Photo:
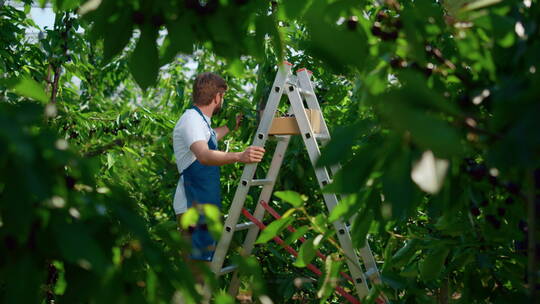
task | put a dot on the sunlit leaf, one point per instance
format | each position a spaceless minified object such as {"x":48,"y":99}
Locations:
{"x":294,"y":198}
{"x":299,"y":232}
{"x":189,"y":218}
{"x":213,"y":217}
{"x":273,"y":229}
{"x":305,"y":254}
{"x":27,"y":87}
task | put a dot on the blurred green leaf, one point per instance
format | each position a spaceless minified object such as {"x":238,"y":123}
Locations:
{"x":189,"y":218}
{"x":305,"y":254}
{"x":331,"y":279}
{"x":118,"y":35}
{"x":295,"y":8}
{"x":404,"y":254}
{"x":79,"y":247}
{"x":433,"y":263}
{"x":360,"y":229}
{"x":398,"y":187}
{"x":27,"y":87}
{"x":292,"y":197}
{"x":273,"y":229}
{"x":144,"y":63}
{"x":224,"y":298}
{"x":300,"y":232}
{"x":213,"y":216}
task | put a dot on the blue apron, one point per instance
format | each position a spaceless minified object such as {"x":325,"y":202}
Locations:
{"x":201,"y":184}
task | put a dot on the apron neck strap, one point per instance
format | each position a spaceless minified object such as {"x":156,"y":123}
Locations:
{"x":202,"y":115}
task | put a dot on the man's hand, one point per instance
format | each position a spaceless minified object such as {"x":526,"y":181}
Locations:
{"x":239,"y":118}
{"x":252,"y":154}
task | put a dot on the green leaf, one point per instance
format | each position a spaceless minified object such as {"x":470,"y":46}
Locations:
{"x":346,"y":49}
{"x":111,"y":160}
{"x":343,"y":208}
{"x":294,"y":8}
{"x":331,"y":271}
{"x":297,"y":234}
{"x":473,"y":5}
{"x":224,"y":298}
{"x":360,"y":229}
{"x":353,"y":175}
{"x":250,"y":266}
{"x":144,"y":63}
{"x":273,"y":229}
{"x":189,"y":218}
{"x":78,"y":246}
{"x":305,"y":254}
{"x":393,"y":280}
{"x":294,"y":198}
{"x":236,"y":68}
{"x":213,"y":217}
{"x":432,"y":265}
{"x":410,"y":271}
{"x":427,"y":130}
{"x":398,"y":187}
{"x":180,"y":38}
{"x":339,"y":146}
{"x":117,"y":36}
{"x":27,"y":87}
{"x":405,"y":253}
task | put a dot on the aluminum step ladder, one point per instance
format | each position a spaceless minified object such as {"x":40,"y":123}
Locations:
{"x":298,"y":88}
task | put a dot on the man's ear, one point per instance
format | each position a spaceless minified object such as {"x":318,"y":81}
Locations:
{"x":216,"y":98}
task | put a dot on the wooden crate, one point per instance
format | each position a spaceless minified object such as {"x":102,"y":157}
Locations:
{"x":289,"y":126}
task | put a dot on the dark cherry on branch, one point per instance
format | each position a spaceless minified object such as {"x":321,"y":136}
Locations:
{"x":512,"y":187}
{"x":157,"y":20}
{"x":70,"y":181}
{"x":381,"y":15}
{"x":138,"y":17}
{"x":493,"y":221}
{"x":352,"y":23}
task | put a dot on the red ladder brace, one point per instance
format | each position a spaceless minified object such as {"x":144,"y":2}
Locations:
{"x":276,"y":215}
{"x":302,"y":239}
{"x":289,"y":249}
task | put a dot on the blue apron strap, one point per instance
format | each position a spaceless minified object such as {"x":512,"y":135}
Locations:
{"x":210,"y":128}
{"x":204,"y":118}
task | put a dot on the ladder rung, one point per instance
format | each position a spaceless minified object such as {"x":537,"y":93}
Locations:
{"x":370,"y":272}
{"x":322,"y":136}
{"x":306,"y":93}
{"x":227,"y":269}
{"x":261,"y":182}
{"x":281,"y":137}
{"x":243,"y":226}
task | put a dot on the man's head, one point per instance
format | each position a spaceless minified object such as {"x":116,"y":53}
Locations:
{"x":208,"y":89}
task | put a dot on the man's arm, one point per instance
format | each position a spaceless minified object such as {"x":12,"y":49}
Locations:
{"x":221,"y":131}
{"x":209,"y":157}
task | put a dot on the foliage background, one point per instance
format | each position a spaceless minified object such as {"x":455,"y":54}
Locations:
{"x":87,"y":170}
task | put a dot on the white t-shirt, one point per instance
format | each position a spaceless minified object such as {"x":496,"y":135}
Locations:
{"x":190,"y":128}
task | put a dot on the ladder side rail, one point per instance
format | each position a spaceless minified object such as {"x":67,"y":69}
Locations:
{"x":266,"y":192}
{"x":249,"y":170}
{"x":330,"y":199}
{"x":371,"y":266}
{"x":304,"y":81}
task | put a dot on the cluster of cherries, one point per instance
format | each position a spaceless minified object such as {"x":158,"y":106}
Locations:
{"x":391,"y":26}
{"x":479,"y":172}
